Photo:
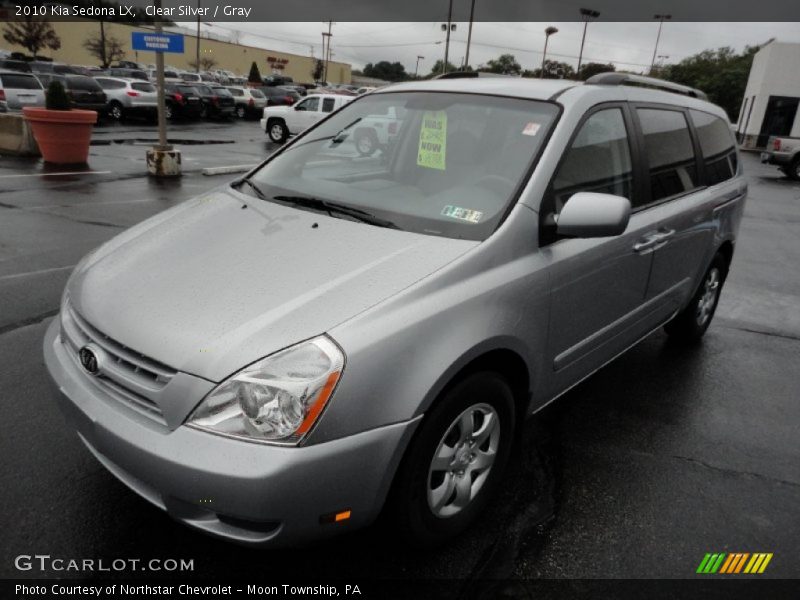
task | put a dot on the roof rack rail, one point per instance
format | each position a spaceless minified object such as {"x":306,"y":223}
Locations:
{"x":652,"y":82}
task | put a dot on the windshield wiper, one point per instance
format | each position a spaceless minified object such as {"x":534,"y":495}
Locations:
{"x":335,"y":207}
{"x":340,"y":137}
{"x":253,"y":187}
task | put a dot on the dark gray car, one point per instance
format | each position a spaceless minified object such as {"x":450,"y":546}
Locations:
{"x":335,"y":335}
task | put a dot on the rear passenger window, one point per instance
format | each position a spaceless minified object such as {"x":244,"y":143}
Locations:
{"x":327,"y":104}
{"x":669,"y":152}
{"x":717,"y":146}
{"x":599,"y":160}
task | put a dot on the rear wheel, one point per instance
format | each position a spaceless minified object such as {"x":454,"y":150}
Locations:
{"x":276,"y":130}
{"x":116,"y":111}
{"x":241,"y":111}
{"x":455,"y":462}
{"x":693,"y":321}
{"x":168,"y":113}
{"x":793,"y":170}
{"x":366,"y":142}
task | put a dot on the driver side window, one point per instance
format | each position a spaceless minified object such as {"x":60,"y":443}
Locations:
{"x":598,"y":160}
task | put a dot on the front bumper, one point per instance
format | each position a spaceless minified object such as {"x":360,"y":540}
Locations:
{"x":245,"y":492}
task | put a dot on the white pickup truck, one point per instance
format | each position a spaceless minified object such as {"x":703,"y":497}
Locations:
{"x":784,"y":152}
{"x":279,"y":122}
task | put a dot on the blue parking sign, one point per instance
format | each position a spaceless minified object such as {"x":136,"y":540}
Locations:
{"x":157,"y":42}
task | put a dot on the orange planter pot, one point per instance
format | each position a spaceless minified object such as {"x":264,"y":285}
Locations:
{"x":63,"y":135}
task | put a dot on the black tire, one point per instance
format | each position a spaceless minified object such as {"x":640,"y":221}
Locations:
{"x":691,"y":323}
{"x":366,"y":141}
{"x":116,"y":111}
{"x":241,"y":111}
{"x":409,"y":509}
{"x":168,"y":112}
{"x":203,"y":112}
{"x":793,"y":170}
{"x":276,"y":131}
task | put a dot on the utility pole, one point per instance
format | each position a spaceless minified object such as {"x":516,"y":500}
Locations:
{"x":658,"y":37}
{"x":547,"y":33}
{"x":327,"y":55}
{"x":197,"y":49}
{"x":469,"y":33}
{"x":416,"y":69}
{"x":447,"y":42}
{"x":586,"y":13}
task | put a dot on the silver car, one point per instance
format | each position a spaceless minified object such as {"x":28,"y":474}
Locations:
{"x":18,"y":90}
{"x":129,"y":97}
{"x":333,"y":336}
{"x":250,"y":102}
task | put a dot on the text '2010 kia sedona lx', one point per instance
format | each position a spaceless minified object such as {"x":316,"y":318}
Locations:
{"x":336,"y":335}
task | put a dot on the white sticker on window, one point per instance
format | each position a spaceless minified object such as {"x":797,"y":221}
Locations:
{"x":462,"y":214}
{"x":531,"y":128}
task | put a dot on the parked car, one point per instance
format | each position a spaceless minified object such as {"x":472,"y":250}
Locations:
{"x":191,"y":77}
{"x":129,"y":98}
{"x":369,"y":337}
{"x":278,"y":96}
{"x":18,"y":89}
{"x":126,"y":64}
{"x":784,"y":151}
{"x":249,"y":102}
{"x":217,"y":101}
{"x":169,"y":75}
{"x":128,"y":73}
{"x":279,"y":122}
{"x":182,"y":101}
{"x":84,"y":92}
{"x":9,"y":64}
{"x":273,"y":80}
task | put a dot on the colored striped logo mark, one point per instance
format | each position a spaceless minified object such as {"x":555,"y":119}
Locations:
{"x":734,"y":563}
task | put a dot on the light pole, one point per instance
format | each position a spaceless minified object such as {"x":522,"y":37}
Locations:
{"x":469,"y":33}
{"x":416,"y":69}
{"x":661,"y":19}
{"x":586,"y":13}
{"x":197,"y":50}
{"x":449,"y":27}
{"x":326,"y":53}
{"x":547,"y":33}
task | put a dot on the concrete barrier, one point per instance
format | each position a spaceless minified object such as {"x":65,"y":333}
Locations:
{"x":16,"y":136}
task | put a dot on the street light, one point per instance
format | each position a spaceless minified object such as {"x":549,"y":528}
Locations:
{"x":449,"y":27}
{"x":416,"y":69}
{"x":661,"y":19}
{"x":547,"y":33}
{"x":586,"y":13}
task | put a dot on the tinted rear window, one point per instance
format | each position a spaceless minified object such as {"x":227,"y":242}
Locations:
{"x":20,"y":82}
{"x":717,"y":146}
{"x":143,"y":87}
{"x":15,"y":65}
{"x":85,"y":84}
{"x":256,"y":93}
{"x":669,"y":152}
{"x":110,"y":84}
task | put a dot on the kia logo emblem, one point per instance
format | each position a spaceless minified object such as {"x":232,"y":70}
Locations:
{"x":89,"y":360}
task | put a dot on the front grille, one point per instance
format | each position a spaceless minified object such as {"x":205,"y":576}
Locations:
{"x":127,"y":376}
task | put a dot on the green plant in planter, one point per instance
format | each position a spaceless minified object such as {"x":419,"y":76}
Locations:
{"x":56,"y":97}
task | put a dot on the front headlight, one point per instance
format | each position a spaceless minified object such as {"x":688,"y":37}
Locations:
{"x":277,"y":399}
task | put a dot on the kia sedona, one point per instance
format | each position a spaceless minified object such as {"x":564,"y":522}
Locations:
{"x":336,"y":336}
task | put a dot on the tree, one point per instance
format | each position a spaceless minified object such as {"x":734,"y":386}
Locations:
{"x":255,"y":74}
{"x":720,"y":73}
{"x":387,"y":71}
{"x":105,"y":48}
{"x":206,"y":63}
{"x":318,"y":70}
{"x":552,"y":70}
{"x":437,"y":68}
{"x":505,"y":64}
{"x":592,"y":68}
{"x":32,"y":35}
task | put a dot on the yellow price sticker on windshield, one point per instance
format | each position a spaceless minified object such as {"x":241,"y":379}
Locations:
{"x":433,"y":140}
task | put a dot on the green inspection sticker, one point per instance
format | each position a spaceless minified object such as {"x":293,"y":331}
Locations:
{"x":462,"y":214}
{"x":433,"y":140}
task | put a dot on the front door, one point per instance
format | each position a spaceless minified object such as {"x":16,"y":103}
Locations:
{"x":598,"y":285}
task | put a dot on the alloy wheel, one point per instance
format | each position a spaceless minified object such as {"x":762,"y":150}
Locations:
{"x":708,"y":297}
{"x":463,"y":459}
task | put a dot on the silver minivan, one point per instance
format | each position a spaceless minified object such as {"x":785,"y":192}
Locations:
{"x":334,"y":335}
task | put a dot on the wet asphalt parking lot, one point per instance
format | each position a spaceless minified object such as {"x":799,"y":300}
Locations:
{"x":660,"y":457}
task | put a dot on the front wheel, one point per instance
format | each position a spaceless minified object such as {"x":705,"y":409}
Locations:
{"x":115,"y":111}
{"x":455,"y":462}
{"x":692,"y":322}
{"x":276,"y":130}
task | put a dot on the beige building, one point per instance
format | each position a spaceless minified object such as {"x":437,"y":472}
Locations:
{"x":228,"y":55}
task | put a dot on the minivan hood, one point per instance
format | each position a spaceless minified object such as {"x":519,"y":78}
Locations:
{"x":223,"y":280}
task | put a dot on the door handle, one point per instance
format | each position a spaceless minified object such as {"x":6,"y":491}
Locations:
{"x":653,"y":240}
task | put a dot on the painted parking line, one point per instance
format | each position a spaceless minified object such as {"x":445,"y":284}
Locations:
{"x":39,"y":272}
{"x":57,"y":174}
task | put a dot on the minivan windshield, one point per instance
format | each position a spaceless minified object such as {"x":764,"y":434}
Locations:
{"x":437,"y":163}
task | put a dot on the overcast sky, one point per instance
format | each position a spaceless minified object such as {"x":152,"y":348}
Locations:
{"x":628,"y":45}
